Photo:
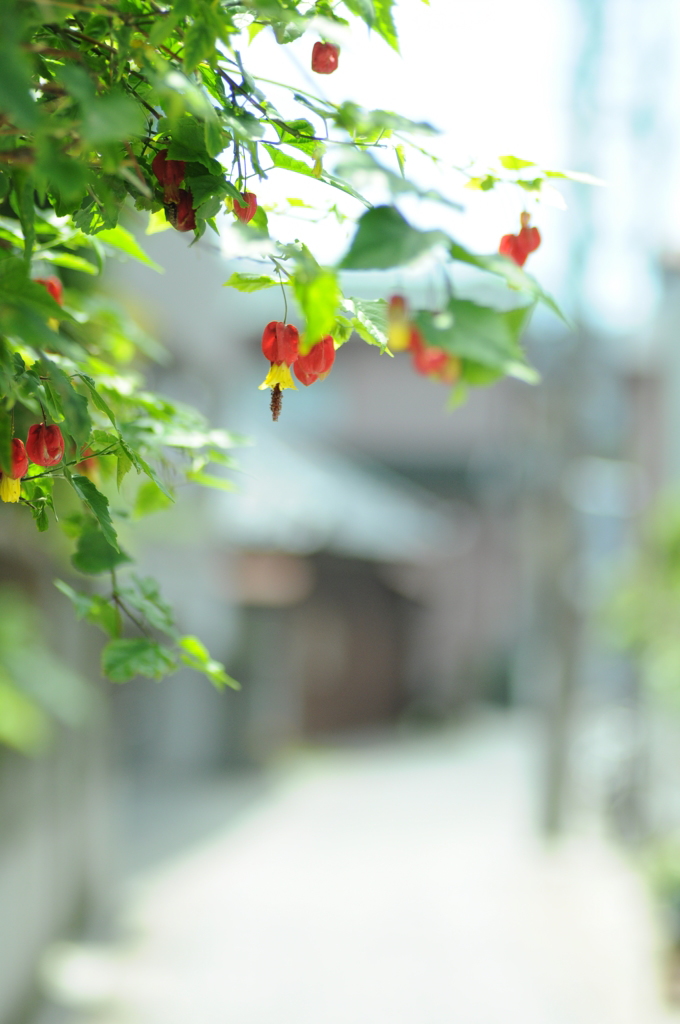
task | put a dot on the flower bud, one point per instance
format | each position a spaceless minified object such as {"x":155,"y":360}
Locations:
{"x":280,"y":342}
{"x":246,"y":212}
{"x":325,"y":58}
{"x":518,"y":247}
{"x":54,"y":287}
{"x":45,"y":445}
{"x":316,"y":365}
{"x":186,"y":216}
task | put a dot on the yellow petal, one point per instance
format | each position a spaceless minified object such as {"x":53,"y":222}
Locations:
{"x":399,"y":336}
{"x":10,"y":490}
{"x":279,"y":374}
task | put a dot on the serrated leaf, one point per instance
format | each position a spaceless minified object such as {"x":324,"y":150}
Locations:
{"x":94,"y":554}
{"x":98,"y":504}
{"x":196,"y":656}
{"x":122,"y":660}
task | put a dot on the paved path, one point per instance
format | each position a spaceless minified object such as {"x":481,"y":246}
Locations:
{"x":400,"y":883}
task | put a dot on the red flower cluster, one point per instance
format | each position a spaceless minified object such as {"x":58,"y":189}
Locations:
{"x":44,"y":446}
{"x":325,"y":58}
{"x":429,"y":360}
{"x":280,"y":345}
{"x":247,"y":211}
{"x":178,"y":202}
{"x":518,"y":247}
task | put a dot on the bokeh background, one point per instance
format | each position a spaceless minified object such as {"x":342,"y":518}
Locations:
{"x":448,"y":789}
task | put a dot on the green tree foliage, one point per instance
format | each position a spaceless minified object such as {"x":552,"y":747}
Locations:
{"x":90,"y":93}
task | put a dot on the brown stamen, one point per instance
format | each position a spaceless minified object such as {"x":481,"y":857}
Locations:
{"x":276,"y":402}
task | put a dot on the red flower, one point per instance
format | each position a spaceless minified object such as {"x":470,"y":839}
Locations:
{"x":325,"y":58}
{"x":246,"y":212}
{"x":280,"y":342}
{"x":19,"y":459}
{"x":316,"y":365}
{"x":45,"y":445}
{"x":185,"y":216}
{"x":54,"y":287}
{"x":518,"y":247}
{"x":10,"y":483}
{"x":432,"y":361}
{"x":168,"y":172}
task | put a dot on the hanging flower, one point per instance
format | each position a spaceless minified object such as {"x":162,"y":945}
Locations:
{"x":398,"y":324}
{"x":181,"y":213}
{"x":246,"y":212}
{"x":45,"y":445}
{"x":10,"y":483}
{"x":431,"y":361}
{"x":325,"y":58}
{"x":54,"y":287}
{"x":280,"y":346}
{"x":316,"y":365}
{"x":518,"y":247}
{"x":170,"y":173}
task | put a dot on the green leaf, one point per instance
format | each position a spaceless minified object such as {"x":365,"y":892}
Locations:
{"x":23,"y":724}
{"x":196,"y":656}
{"x":369,"y":319}
{"x":98,"y":504}
{"x":93,"y":608}
{"x":97,"y":399}
{"x":6,"y":434}
{"x":363,"y":9}
{"x":384,"y":22}
{"x":218,"y":483}
{"x":70,"y":261}
{"x":250,"y":282}
{"x":150,"y":498}
{"x":514,"y":163}
{"x":26,"y":208}
{"x":94,"y":554}
{"x":199,"y":43}
{"x":513,"y":275}
{"x":113,"y":117}
{"x":478,"y":333}
{"x":385,"y":239}
{"x":318,"y":295}
{"x":122,"y":660}
{"x":121,"y":239}
{"x":145,"y":598}
{"x":288,"y":163}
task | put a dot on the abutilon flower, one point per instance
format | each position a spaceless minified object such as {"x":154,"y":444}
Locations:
{"x":246,"y":212}
{"x":431,"y":361}
{"x":170,"y":173}
{"x":45,"y":445}
{"x":398,"y":324}
{"x":181,"y":214}
{"x":316,"y":365}
{"x":325,"y":58}
{"x":10,"y":483}
{"x":518,"y":247}
{"x":280,"y":346}
{"x":54,"y":287}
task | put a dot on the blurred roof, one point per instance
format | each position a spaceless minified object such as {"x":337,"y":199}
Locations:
{"x":298,"y":499}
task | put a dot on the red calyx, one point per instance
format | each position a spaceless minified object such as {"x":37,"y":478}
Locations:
{"x":45,"y":445}
{"x":19,"y":459}
{"x":54,"y":287}
{"x":280,"y":342}
{"x":168,"y":172}
{"x":518,"y":247}
{"x":186,"y":216}
{"x":325,"y":58}
{"x":246,"y":212}
{"x":316,"y":365}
